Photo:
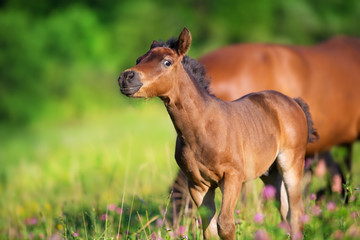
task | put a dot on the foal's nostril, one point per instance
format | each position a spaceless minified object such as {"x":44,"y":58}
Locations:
{"x":125,"y":78}
{"x":130,"y":75}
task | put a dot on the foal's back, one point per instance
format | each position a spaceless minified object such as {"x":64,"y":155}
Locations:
{"x":271,"y":123}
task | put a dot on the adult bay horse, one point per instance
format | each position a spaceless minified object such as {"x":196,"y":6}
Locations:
{"x":326,"y":76}
{"x":223,"y":144}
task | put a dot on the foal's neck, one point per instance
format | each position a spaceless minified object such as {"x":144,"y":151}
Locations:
{"x":186,"y":105}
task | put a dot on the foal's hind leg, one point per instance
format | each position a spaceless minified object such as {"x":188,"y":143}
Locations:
{"x":274,"y":178}
{"x":291,"y":165}
{"x":180,"y":198}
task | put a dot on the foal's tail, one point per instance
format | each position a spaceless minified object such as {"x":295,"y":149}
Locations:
{"x":312,"y":133}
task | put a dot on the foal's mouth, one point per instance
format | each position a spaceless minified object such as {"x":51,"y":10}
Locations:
{"x":130,"y":91}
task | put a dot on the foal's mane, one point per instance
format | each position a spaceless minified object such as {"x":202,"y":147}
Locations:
{"x":193,"y":67}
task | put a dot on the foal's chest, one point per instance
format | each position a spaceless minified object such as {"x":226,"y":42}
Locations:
{"x":200,"y":164}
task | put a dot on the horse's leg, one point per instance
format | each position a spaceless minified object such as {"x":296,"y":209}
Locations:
{"x":230,"y":187}
{"x":346,"y":167}
{"x":348,"y":159}
{"x":274,"y":178}
{"x":346,"y":173}
{"x":180,"y":198}
{"x":337,"y":176}
{"x":291,"y":165}
{"x":204,"y":199}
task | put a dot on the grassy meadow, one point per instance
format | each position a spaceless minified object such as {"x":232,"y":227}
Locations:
{"x":107,"y":176}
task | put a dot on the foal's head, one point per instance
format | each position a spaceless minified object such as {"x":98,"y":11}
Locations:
{"x":155,"y":72}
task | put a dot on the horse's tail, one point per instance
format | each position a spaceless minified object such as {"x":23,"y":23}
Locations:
{"x":312,"y":133}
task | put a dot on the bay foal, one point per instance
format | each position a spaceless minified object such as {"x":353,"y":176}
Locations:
{"x":222,"y":144}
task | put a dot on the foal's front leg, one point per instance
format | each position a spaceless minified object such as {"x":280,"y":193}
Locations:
{"x":204,"y":198}
{"x":230,"y":187}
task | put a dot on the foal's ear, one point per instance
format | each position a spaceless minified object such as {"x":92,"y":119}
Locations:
{"x":183,"y":42}
{"x":154,"y":44}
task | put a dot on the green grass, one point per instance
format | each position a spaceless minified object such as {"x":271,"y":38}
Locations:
{"x":110,"y":172}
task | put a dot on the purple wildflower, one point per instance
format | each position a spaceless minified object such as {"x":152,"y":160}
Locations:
{"x":305,"y":218}
{"x":127,"y":232}
{"x":237,"y":211}
{"x":75,"y":234}
{"x":112,"y":207}
{"x":238,"y":221}
{"x":159,"y":223}
{"x":258,"y":218}
{"x":119,"y":210}
{"x":181,"y":230}
{"x":261,"y":235}
{"x":331,"y":206}
{"x":200,"y":222}
{"x":31,"y":221}
{"x":353,"y":215}
{"x":316,"y":211}
{"x":338,"y":234}
{"x":104,"y":217}
{"x":313,"y":197}
{"x":285,"y":226}
{"x":153,"y":236}
{"x":269,"y":192}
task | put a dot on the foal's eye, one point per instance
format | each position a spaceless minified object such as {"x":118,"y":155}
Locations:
{"x":167,"y":63}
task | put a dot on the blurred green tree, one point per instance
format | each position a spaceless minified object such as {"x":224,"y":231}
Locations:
{"x":61,"y":58}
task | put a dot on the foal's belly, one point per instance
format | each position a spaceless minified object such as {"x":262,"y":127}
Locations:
{"x":208,"y":166}
{"x":259,"y":157}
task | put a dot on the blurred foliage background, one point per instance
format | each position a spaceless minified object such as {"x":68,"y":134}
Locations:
{"x":68,"y":138}
{"x":60,"y":59}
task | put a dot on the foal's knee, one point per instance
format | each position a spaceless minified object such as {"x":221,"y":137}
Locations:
{"x":226,"y":227}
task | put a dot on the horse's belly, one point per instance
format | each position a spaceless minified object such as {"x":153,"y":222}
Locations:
{"x":259,"y":158}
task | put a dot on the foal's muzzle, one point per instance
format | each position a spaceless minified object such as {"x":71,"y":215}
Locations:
{"x":129,"y":83}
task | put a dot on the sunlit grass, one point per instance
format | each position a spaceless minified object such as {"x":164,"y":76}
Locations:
{"x":108,"y":175}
